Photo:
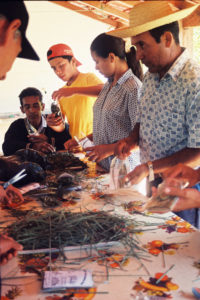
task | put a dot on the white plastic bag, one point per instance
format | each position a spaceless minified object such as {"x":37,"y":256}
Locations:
{"x":118,"y":170}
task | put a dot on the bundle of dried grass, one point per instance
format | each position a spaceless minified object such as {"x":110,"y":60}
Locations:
{"x":60,"y":229}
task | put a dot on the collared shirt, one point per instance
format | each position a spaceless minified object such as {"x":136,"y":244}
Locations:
{"x":78,"y":108}
{"x":31,"y":129}
{"x":115,"y":112}
{"x":43,"y":125}
{"x":17,"y":134}
{"x":170,"y":110}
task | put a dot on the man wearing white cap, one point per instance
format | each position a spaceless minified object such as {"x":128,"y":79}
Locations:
{"x":168,"y":129}
{"x":13,"y":42}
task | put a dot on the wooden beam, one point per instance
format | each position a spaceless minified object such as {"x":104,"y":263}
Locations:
{"x":95,"y":13}
{"x":109,"y":9}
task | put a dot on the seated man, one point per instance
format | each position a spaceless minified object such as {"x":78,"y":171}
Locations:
{"x":36,"y":131}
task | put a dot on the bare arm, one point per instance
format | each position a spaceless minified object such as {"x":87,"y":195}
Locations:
{"x":183,"y":172}
{"x":99,"y":152}
{"x":188,"y":156}
{"x":92,"y":91}
{"x":123,"y":147}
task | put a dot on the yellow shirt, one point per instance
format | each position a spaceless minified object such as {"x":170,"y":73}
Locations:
{"x":79,"y":108}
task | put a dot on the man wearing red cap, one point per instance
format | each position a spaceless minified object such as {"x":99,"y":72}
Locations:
{"x":77,"y":97}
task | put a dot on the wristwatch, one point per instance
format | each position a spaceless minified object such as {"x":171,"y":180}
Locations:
{"x":151,"y":172}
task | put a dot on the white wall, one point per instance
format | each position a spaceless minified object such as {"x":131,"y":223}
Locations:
{"x":49,"y":24}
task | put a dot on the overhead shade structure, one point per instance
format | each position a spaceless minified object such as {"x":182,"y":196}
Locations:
{"x":116,"y":13}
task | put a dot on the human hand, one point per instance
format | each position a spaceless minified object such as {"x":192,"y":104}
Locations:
{"x":43,"y":147}
{"x":183,"y":172}
{"x":186,"y":198}
{"x":63,"y":92}
{"x":123,"y":148}
{"x":37,"y":138}
{"x":138,"y":173}
{"x":56,"y":123}
{"x":8,"y":248}
{"x":71,"y":144}
{"x":11,"y":196}
{"x":99,"y":152}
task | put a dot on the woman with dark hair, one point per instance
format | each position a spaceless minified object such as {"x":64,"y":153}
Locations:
{"x":115,"y":110}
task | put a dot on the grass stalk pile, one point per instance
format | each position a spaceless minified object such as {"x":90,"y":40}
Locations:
{"x":60,"y":229}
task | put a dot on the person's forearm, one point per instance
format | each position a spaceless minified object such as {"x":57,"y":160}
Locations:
{"x":133,"y":138}
{"x":187,"y":156}
{"x":198,"y":172}
{"x":87,"y":90}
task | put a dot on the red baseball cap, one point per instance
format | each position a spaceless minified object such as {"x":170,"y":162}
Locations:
{"x":59,"y":50}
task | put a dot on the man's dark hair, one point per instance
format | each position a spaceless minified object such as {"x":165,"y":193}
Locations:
{"x":171,"y":27}
{"x":30,"y":91}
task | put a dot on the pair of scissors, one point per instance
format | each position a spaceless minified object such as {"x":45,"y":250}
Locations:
{"x":15,"y":178}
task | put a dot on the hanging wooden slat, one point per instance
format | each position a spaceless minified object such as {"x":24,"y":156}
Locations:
{"x":96,"y":13}
{"x":116,"y":13}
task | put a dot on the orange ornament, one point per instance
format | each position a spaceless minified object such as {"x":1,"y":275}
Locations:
{"x":182,"y":229}
{"x":82,"y":294}
{"x":158,"y":275}
{"x":157,"y":243}
{"x":154,"y":251}
{"x":172,"y":286}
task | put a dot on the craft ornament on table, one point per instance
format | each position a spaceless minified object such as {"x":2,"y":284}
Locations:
{"x":156,"y":247}
{"x":64,"y":160}
{"x":58,"y":189}
{"x":176,"y":224}
{"x":158,"y":286}
{"x":111,"y":259}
